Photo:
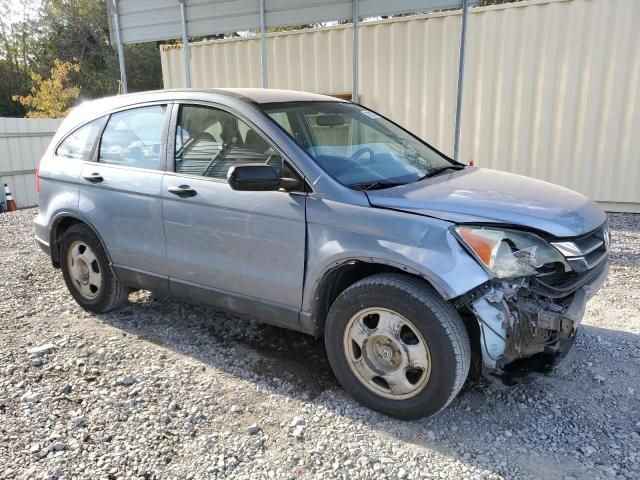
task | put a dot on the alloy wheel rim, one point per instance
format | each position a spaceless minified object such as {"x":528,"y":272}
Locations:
{"x":387,"y":353}
{"x":84,"y":270}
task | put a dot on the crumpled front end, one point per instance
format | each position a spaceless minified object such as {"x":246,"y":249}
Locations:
{"x":529,"y":324}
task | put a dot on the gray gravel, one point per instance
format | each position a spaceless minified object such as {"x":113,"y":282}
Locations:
{"x":166,"y":390}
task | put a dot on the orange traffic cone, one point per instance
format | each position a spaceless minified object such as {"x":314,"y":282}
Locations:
{"x":11,"y":203}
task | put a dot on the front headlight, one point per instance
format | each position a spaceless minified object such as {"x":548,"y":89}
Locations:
{"x":508,"y":253}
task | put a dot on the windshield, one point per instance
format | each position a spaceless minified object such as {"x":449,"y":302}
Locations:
{"x":356,"y":146}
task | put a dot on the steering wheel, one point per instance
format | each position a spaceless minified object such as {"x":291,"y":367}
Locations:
{"x":361,"y":152}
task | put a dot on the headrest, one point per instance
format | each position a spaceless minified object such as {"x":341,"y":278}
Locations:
{"x":230,"y":133}
{"x":255,"y":142}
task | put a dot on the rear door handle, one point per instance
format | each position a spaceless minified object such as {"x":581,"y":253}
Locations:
{"x":183,"y":191}
{"x":94,"y":178}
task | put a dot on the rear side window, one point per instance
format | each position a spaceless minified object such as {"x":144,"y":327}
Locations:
{"x":133,"y":138}
{"x":79,"y":144}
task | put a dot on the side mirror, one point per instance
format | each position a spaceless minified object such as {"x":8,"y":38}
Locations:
{"x":253,"y":177}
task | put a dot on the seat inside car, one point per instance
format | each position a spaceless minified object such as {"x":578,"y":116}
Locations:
{"x":254,"y":142}
{"x":231,"y":134}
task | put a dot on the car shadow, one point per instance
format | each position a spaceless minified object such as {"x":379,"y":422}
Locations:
{"x":267,"y":351}
{"x":478,"y":427}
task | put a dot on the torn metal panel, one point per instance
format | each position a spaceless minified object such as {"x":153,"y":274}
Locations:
{"x":517,"y":323}
{"x":493,"y":319}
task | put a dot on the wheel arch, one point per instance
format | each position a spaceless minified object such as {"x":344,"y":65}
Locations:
{"x":60,"y":224}
{"x":339,"y":276}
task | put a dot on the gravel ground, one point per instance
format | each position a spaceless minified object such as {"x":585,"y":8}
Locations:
{"x":166,"y":390}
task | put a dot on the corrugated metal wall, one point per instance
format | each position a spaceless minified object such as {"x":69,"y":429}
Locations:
{"x":157,"y":20}
{"x":22,"y":143}
{"x":552,"y":87}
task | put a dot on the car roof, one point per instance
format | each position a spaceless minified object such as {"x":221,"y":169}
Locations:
{"x":248,"y":95}
{"x":273,"y":95}
{"x":91,"y":109}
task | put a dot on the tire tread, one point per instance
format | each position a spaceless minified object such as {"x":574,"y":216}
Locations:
{"x":444,"y":312}
{"x":118,"y":293}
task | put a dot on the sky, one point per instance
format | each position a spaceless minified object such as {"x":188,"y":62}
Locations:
{"x":18,"y":8}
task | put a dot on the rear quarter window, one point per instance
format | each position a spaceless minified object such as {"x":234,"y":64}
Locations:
{"x":79,"y":144}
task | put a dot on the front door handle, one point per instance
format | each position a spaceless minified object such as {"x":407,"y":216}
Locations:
{"x":94,"y":178}
{"x":183,"y":191}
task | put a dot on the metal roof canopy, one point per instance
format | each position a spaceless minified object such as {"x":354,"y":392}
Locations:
{"x":136,"y":21}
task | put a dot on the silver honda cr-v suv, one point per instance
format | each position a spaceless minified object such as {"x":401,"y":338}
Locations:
{"x":320,"y":215}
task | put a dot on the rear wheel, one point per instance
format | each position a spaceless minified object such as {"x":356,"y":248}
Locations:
{"x":86,"y":271}
{"x":397,"y":346}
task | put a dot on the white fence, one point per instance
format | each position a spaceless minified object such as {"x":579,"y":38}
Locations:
{"x":552,"y":87}
{"x":22,"y":143}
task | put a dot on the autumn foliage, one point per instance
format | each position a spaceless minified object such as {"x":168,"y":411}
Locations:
{"x":52,"y":97}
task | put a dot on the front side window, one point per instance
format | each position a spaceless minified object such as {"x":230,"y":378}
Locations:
{"x":133,"y":137}
{"x":209,"y":141}
{"x":357,"y":147}
{"x":79,"y":144}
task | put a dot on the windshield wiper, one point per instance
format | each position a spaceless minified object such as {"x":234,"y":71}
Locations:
{"x":377,"y":185}
{"x":380,"y":184}
{"x":440,"y":170}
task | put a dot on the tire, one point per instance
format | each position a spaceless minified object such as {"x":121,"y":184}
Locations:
{"x":410,"y":316}
{"x":87,"y":272}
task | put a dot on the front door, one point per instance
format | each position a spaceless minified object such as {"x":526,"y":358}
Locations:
{"x":242,"y":251}
{"x":120,"y":194}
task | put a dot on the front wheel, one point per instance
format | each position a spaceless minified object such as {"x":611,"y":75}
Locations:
{"x":397,"y":346}
{"x":86,"y":271}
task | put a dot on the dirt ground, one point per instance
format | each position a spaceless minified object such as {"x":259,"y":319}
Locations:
{"x":162,"y":389}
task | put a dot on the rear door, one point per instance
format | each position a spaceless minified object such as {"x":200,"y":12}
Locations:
{"x":243,"y":251}
{"x":120,"y":193}
{"x":60,"y":172}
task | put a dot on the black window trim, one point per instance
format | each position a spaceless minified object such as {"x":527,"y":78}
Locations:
{"x":171,"y":146}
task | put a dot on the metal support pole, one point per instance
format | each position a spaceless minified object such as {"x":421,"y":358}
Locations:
{"x":185,"y":45}
{"x":264,"y":70}
{"x":463,"y":41}
{"x":116,"y":25}
{"x":356,"y":51}
{"x":3,"y":200}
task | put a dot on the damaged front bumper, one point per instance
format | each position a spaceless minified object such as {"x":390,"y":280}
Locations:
{"x":527,"y":326}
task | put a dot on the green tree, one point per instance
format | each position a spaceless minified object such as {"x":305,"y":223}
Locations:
{"x":18,"y":34}
{"x":81,"y":32}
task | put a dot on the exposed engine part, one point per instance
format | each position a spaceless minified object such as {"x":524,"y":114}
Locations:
{"x":492,"y":291}
{"x":537,"y":327}
{"x":516,"y":322}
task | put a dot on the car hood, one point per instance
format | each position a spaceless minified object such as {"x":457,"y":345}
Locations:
{"x":491,"y":196}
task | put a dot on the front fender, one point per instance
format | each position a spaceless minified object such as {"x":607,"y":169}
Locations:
{"x":340,"y":233}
